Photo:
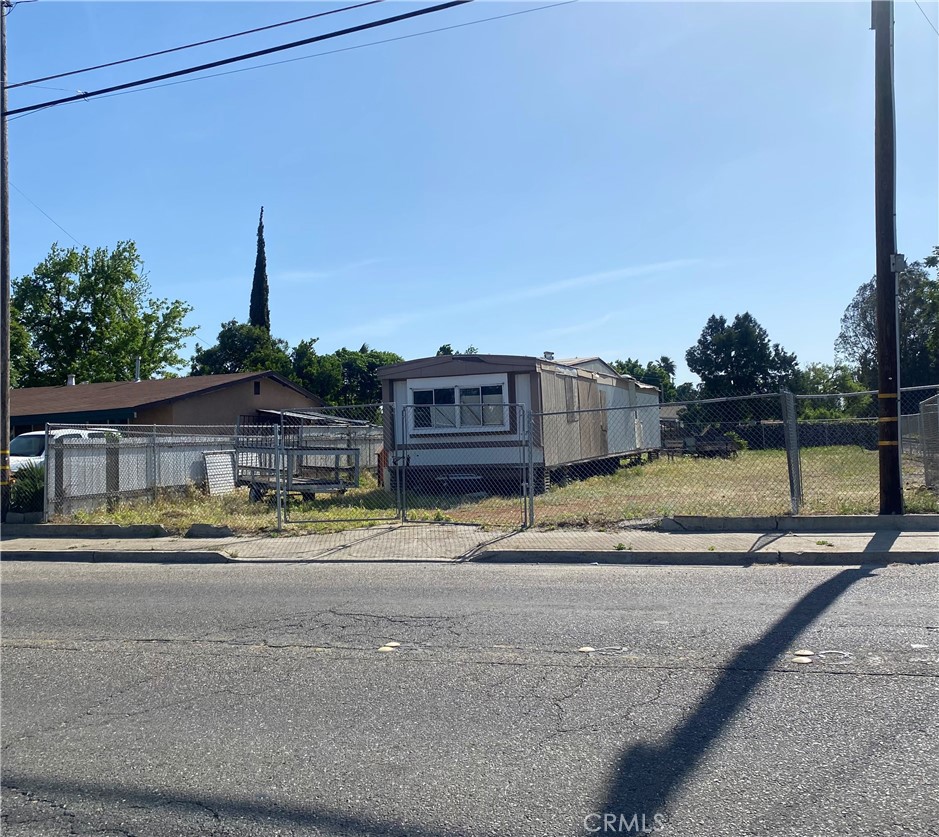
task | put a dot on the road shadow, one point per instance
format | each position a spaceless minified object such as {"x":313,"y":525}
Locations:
{"x":647,"y":778}
{"x":73,"y":796}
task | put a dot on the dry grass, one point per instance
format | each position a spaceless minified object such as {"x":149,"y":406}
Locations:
{"x":836,"y":480}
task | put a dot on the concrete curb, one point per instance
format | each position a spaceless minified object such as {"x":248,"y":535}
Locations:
{"x":830,"y":559}
{"x":828,"y":524}
{"x":112,"y":557}
{"x":83,"y":530}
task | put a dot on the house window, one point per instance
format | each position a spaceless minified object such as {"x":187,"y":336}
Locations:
{"x":257,"y":387}
{"x":460,"y":407}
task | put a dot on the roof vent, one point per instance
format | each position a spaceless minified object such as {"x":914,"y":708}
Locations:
{"x":549,"y":355}
{"x":70,"y":381}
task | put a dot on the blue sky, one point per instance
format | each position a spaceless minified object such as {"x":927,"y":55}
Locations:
{"x":591,"y":179}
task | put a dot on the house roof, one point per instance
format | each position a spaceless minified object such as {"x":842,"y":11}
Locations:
{"x":128,"y":395}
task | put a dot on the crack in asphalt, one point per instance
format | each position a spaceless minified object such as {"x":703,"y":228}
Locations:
{"x":422,"y":655}
{"x":61,"y":810}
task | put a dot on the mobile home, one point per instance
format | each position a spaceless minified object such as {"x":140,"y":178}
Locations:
{"x":468,"y":416}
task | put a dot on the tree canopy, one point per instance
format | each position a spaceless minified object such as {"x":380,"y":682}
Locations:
{"x":918,"y":314}
{"x":242,"y":347}
{"x":447,"y":349}
{"x":738,"y":359}
{"x":660,"y":373}
{"x":90,"y":313}
{"x":343,"y":377}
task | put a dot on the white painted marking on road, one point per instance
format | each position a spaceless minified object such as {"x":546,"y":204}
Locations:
{"x":392,"y":645}
{"x":805,"y":652}
{"x":586,"y":649}
{"x":801,"y":659}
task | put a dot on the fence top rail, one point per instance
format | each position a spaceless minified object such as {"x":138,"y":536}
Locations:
{"x":618,"y":408}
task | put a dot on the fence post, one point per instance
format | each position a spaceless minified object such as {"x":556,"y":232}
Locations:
{"x":791,"y":436}
{"x":152,"y":470}
{"x":46,"y":482}
{"x":401,"y":467}
{"x":278,"y":493}
{"x":112,"y":471}
{"x":531,"y":469}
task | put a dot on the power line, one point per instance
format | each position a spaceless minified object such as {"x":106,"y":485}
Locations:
{"x":926,"y":16}
{"x":341,"y":49}
{"x":243,"y":57}
{"x":79,"y":243}
{"x":190,"y":46}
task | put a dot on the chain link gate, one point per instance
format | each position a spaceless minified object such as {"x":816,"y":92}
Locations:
{"x":332,"y":466}
{"x":464,"y":463}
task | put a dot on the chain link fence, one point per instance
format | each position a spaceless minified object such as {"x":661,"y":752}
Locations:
{"x":170,"y":474}
{"x":495,"y":465}
{"x":466,"y":463}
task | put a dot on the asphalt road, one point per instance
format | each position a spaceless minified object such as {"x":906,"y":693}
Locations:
{"x":178,"y":700}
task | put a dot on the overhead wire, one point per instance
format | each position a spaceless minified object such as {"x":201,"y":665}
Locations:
{"x":37,"y":81}
{"x":237,"y":58}
{"x":339,"y":50}
{"x":40,"y":209}
{"x":926,"y":16}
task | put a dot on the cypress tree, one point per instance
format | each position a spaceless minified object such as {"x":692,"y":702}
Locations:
{"x":260,"y":312}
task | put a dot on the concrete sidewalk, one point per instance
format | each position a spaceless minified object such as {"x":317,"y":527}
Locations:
{"x":447,"y":543}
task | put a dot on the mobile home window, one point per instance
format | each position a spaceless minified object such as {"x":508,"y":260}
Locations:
{"x":479,"y":406}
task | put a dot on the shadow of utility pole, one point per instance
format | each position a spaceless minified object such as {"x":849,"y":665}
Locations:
{"x":647,"y":778}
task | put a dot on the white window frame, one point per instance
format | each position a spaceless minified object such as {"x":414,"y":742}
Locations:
{"x":458,"y":383}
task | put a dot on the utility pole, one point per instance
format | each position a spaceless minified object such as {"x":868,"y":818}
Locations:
{"x":889,"y":262}
{"x":5,"y":6}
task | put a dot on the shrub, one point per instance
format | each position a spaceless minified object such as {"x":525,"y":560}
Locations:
{"x":738,"y":440}
{"x":26,"y":494}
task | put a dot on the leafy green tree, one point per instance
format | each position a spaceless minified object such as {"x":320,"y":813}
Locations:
{"x":360,"y":384}
{"x":447,"y":349}
{"x":321,"y":374}
{"x":243,"y":347}
{"x":343,"y":377}
{"x":659,"y":373}
{"x":22,"y":355}
{"x":259,"y":313}
{"x":918,"y":307}
{"x":838,"y":381}
{"x":91,"y":314}
{"x":738,"y":359}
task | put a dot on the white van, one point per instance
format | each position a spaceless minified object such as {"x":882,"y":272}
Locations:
{"x":30,"y":448}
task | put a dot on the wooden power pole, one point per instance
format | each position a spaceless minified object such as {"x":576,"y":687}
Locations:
{"x":889,"y":263}
{"x":5,"y":7}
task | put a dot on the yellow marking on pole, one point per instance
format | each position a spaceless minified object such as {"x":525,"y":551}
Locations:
{"x":888,"y":444}
{"x":888,"y":418}
{"x":887,"y":395}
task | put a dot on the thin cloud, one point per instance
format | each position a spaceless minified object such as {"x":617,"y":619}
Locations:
{"x":388,"y":324}
{"x":329,"y":273}
{"x":588,"y":325}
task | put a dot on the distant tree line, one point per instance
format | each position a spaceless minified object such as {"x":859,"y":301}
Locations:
{"x":91,"y":313}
